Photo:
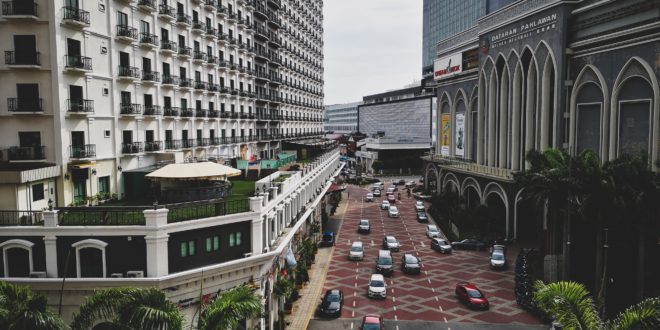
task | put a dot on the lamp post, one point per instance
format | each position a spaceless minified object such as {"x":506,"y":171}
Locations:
{"x":50,"y":204}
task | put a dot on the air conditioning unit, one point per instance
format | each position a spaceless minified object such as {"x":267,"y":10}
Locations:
{"x":134,"y":273}
{"x":116,"y":275}
{"x":38,"y":275}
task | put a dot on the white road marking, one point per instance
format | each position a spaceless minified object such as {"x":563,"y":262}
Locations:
{"x":441,"y":308}
{"x":353,"y":303}
{"x":433,"y":289}
{"x":436,"y":298}
{"x":351,"y":325}
{"x":353,"y":314}
{"x":396,"y":318}
{"x":394,"y":300}
{"x":445,"y":319}
{"x":397,"y":327}
{"x":356,"y":284}
{"x":429,"y":281}
{"x":422,"y":244}
{"x":354,"y":293}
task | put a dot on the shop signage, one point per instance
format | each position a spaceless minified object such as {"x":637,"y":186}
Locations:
{"x":445,"y":132}
{"x":460,"y":135}
{"x":523,"y":30}
{"x":448,"y":66}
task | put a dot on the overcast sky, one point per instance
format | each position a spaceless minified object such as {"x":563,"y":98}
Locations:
{"x":370,"y":46}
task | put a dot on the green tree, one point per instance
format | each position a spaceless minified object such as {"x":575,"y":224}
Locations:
{"x":129,"y":308}
{"x":21,"y":309}
{"x":227,"y":310}
{"x":572,"y":305}
{"x":377,"y":165}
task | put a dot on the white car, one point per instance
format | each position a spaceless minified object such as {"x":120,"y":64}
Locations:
{"x":357,"y":251}
{"x":370,"y":197}
{"x":385,"y":205}
{"x":377,"y":286}
{"x":441,"y":245}
{"x":498,"y":260}
{"x":419,"y":206}
{"x":391,"y":190}
{"x":393,"y":212}
{"x":410,"y":184}
{"x":432,"y":231}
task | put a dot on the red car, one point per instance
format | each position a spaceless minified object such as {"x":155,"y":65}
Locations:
{"x":391,"y":199}
{"x":470,"y":295}
{"x":372,"y":322}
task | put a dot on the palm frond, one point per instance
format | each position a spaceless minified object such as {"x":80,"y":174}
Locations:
{"x":569,"y":303}
{"x":642,"y":316}
{"x":102,"y":305}
{"x":228,"y":309}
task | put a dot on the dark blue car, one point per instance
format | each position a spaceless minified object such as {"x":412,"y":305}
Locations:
{"x":328,"y":239}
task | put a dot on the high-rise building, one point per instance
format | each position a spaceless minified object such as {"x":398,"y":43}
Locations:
{"x":98,"y":89}
{"x":341,"y":118}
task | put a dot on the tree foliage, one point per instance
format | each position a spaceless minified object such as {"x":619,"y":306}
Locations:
{"x":227,"y":310}
{"x":21,"y":309}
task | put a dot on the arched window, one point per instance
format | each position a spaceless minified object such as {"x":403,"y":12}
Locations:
{"x":90,"y":258}
{"x":17,"y":253}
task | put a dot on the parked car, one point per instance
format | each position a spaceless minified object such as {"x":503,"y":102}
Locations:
{"x":328,"y":239}
{"x":332,"y":303}
{"x":393,"y":212}
{"x":498,"y":249}
{"x":401,"y":182}
{"x":469,"y":244}
{"x":498,"y":260}
{"x":410,"y":264}
{"x":391,"y":199}
{"x":441,"y":245}
{"x":377,"y":193}
{"x":370,"y":197}
{"x":471,"y":296}
{"x":385,"y":205}
{"x":384,"y":264}
{"x":377,"y":287}
{"x":364,"y":226}
{"x":419,"y":206}
{"x":421,"y":217}
{"x":357,"y":251}
{"x":432,"y":231}
{"x":390,"y":243}
{"x":372,"y":322}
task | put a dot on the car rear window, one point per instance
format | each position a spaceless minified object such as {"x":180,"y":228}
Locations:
{"x":356,"y":248}
{"x":384,"y":261}
{"x":474,"y":294}
{"x":377,"y":283}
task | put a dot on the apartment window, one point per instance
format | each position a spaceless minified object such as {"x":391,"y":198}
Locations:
{"x":212,"y":243}
{"x":104,"y":185}
{"x":164,"y":35}
{"x":144,"y":27}
{"x":235,"y":239}
{"x":122,"y":19}
{"x":188,"y":249}
{"x":37,"y":192}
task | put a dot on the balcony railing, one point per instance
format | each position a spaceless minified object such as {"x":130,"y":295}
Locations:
{"x":214,"y":114}
{"x":212,"y":87}
{"x":168,"y":45}
{"x":78,"y":62}
{"x":148,"y":4}
{"x":201,"y":113}
{"x":183,"y":19}
{"x":80,"y":106}
{"x":130,"y":109}
{"x":206,"y":209}
{"x":197,"y":25}
{"x":170,"y":80}
{"x":132,"y":148}
{"x":125,"y":31}
{"x":171,"y":112}
{"x":152,"y":76}
{"x":26,"y":153}
{"x":13,"y":58}
{"x":148,"y":39}
{"x":185,"y":82}
{"x":185,"y":51}
{"x":467,"y":165}
{"x":188,"y":143}
{"x":75,"y":15}
{"x":19,"y":8}
{"x":200,"y":85}
{"x":82,"y":151}
{"x":166,"y":11}
{"x":21,"y":218}
{"x":200,"y":56}
{"x":129,"y":72}
{"x":25,"y":104}
{"x":152,"y":110}
{"x":153,"y":146}
{"x":187,"y":112}
{"x":172,"y":144}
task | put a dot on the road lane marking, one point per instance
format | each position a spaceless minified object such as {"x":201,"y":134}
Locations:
{"x":445,"y":319}
{"x":422,"y":244}
{"x":441,"y":308}
{"x":353,"y":314}
{"x":432,"y":289}
{"x":396,"y":318}
{"x":353,"y":303}
{"x":351,"y":325}
{"x":429,"y":280}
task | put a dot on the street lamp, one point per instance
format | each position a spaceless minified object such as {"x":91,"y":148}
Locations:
{"x":50,"y":204}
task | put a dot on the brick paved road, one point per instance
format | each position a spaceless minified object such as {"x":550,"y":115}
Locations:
{"x":425,"y":297}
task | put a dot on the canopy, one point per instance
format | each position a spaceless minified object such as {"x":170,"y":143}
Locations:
{"x":193,"y":171}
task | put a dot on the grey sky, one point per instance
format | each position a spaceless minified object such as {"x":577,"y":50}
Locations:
{"x":370,"y":46}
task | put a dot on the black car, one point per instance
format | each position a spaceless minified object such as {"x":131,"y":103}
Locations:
{"x":328,"y":239}
{"x":332,"y":303}
{"x":421,"y":217}
{"x":410,"y":264}
{"x":364,"y":227}
{"x":469,"y":244}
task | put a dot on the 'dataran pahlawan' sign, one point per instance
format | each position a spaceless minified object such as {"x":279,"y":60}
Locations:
{"x":522,"y":31}
{"x":448,"y":66}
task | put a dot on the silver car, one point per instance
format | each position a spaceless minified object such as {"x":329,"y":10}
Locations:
{"x":390,"y":243}
{"x":357,"y":251}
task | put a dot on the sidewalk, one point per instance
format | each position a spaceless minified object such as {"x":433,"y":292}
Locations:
{"x":304,"y":308}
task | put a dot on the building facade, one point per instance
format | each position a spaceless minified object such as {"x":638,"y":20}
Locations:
{"x":95,"y":89}
{"x":341,"y":118}
{"x":572,"y":75}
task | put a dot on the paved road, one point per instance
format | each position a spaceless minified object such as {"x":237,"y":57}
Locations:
{"x":345,"y":324}
{"x":425,"y":297}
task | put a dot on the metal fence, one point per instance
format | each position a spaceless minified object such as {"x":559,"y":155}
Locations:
{"x":102,"y":216}
{"x":205,"y":209}
{"x":21,"y":218}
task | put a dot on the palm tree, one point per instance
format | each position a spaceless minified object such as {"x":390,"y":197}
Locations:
{"x":572,"y":305}
{"x":227,"y":310}
{"x":129,"y":308}
{"x":20,"y":309}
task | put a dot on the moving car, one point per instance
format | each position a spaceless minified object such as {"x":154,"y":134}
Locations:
{"x":377,"y":186}
{"x":393,"y":212}
{"x":377,"y":287}
{"x":385,"y":205}
{"x":372,"y":322}
{"x":328,"y":239}
{"x":332,"y":303}
{"x":384,"y":263}
{"x":357,"y":251}
{"x":469,"y":244}
{"x":411,"y":184}
{"x":390,"y":243}
{"x":391,"y":190}
{"x":441,"y":245}
{"x":471,"y":296}
{"x":370,"y":197}
{"x":422,"y":217}
{"x":419,"y":206}
{"x":391,"y":199}
{"x":364,"y":226}
{"x":432,"y":231}
{"x":377,"y":193}
{"x":410,"y":264}
{"x":401,"y":182}
{"x":498,"y":260}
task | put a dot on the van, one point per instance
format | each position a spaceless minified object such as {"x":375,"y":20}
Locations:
{"x":356,"y":252}
{"x":384,"y":263}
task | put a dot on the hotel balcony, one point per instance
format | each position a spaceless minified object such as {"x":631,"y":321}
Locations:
{"x":153,"y":146}
{"x":468,"y":166}
{"x":130,"y":109}
{"x":128,"y":73}
{"x":183,"y":19}
{"x":25,"y":105}
{"x":77,"y":63}
{"x":150,"y":76}
{"x":152,"y":110}
{"x":127,"y":33}
{"x":170,"y":80}
{"x":147,"y":5}
{"x":75,"y":16}
{"x":187,"y":112}
{"x":20,"y":9}
{"x":172,"y":144}
{"x":80,"y":106}
{"x":166,"y":12}
{"x":148,"y":39}
{"x":167,"y":46}
{"x":35,"y":153}
{"x":132,"y":148}
{"x":82,"y":151}
{"x":171,"y":112}
{"x":23,"y":59}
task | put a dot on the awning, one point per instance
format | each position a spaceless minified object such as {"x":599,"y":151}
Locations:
{"x":81,"y":166}
{"x":335,"y":188}
{"x":194,"y":171}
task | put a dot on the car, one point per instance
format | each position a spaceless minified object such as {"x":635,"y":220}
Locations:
{"x":357,"y":251}
{"x":384,"y":263}
{"x":441,"y":245}
{"x":370,"y":197}
{"x":469,"y":244}
{"x":498,"y":260}
{"x":498,"y":248}
{"x":410,"y":184}
{"x":390,"y":243}
{"x":471,"y":296}
{"x":328,"y":239}
{"x":385,"y":205}
{"x":432,"y":231}
{"x":391,"y":199}
{"x":410,"y":264}
{"x":401,"y":182}
{"x":332,"y":303}
{"x":376,"y":193}
{"x":421,"y":217}
{"x":377,"y":287}
{"x":372,"y":322}
{"x":393,"y":212}
{"x":364,"y":226}
{"x":377,"y":186}
{"x":419,"y":206}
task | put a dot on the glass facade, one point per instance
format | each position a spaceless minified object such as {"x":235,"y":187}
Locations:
{"x":341,"y":118}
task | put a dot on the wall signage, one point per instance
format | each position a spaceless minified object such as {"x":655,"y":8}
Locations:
{"x":445,"y":133}
{"x":522,"y":31}
{"x":448,"y":66}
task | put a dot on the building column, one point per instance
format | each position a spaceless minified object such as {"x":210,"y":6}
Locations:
{"x":492,"y":106}
{"x":51,"y":220}
{"x":257,"y":239}
{"x":156,"y":242}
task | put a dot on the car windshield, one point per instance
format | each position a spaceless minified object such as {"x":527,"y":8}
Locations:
{"x":384,"y":261}
{"x":370,"y":326}
{"x":498,"y":256}
{"x":393,"y":209}
{"x":433,"y":228}
{"x":442,"y":242}
{"x":364,"y":223}
{"x":391,"y":240}
{"x":333,"y":298}
{"x":474,"y":294}
{"x":356,"y":248}
{"x":377,"y":284}
{"x":411,"y":260}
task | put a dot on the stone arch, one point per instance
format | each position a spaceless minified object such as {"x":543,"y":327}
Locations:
{"x":468,"y":186}
{"x":481,"y":109}
{"x":431,"y":168}
{"x":490,"y":114}
{"x":459,"y":99}
{"x":90,"y":244}
{"x":636,"y":67}
{"x":16,"y":244}
{"x":451,"y":178}
{"x":471,"y":125}
{"x":503,"y":129}
{"x":548,"y":92}
{"x":471,"y":182}
{"x":590,"y":75}
{"x":516,"y":117}
{"x":496,"y":188}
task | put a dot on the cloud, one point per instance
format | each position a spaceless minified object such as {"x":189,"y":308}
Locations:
{"x":370,"y":46}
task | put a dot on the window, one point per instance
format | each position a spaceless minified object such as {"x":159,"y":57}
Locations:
{"x":235,"y":239}
{"x":212,"y":244}
{"x":216,"y":243}
{"x":104,"y":185}
{"x":188,"y":249}
{"x":37,"y":192}
{"x":184,"y":249}
{"x":191,"y":248}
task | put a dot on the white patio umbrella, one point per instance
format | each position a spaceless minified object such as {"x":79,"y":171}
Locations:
{"x":193,"y":171}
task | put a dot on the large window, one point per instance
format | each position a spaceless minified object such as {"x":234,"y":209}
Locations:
{"x":212,"y":244}
{"x":188,"y":249}
{"x":235,"y":239}
{"x":37,"y":192}
{"x":104,"y":185}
